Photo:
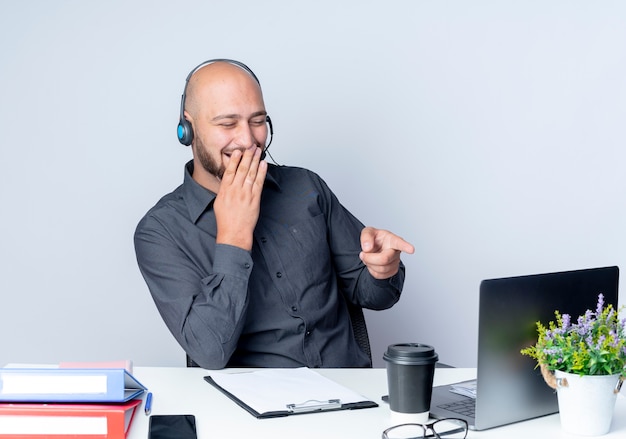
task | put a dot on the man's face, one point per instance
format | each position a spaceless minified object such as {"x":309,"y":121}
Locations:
{"x":230,"y":115}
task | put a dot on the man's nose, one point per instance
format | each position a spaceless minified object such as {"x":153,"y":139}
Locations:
{"x":244,"y":137}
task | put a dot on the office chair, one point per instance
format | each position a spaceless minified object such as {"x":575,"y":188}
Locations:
{"x":359,"y":328}
{"x":191,"y":363}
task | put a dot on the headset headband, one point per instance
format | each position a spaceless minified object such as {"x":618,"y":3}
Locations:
{"x":226,"y":60}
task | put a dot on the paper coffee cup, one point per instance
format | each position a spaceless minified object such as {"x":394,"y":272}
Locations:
{"x":410,"y":374}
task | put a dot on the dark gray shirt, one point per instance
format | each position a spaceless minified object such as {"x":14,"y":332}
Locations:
{"x":281,"y":305}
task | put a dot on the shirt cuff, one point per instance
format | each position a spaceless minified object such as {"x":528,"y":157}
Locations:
{"x":396,"y":281}
{"x":232,"y":261}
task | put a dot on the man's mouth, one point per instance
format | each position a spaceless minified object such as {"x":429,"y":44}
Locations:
{"x":230,"y":152}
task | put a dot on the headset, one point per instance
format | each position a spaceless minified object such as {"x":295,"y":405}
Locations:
{"x":184,"y":130}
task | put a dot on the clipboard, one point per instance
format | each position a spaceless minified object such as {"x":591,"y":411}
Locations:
{"x":272,"y":393}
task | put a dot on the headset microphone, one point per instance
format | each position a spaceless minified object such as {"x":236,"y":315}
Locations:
{"x":269,"y":124}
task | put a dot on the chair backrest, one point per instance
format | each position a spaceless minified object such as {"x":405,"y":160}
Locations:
{"x":191,"y":363}
{"x":359,"y":328}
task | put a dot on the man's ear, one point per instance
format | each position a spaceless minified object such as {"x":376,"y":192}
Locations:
{"x":188,"y":117}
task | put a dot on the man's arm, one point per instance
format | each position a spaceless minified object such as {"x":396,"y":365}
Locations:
{"x":373,"y":280}
{"x":203,"y":302}
{"x":204,"y":311}
{"x":380,"y":284}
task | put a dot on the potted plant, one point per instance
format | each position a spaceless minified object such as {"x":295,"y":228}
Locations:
{"x":585,"y":362}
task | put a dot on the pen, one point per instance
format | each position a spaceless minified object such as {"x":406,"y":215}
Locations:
{"x":148,"y":406}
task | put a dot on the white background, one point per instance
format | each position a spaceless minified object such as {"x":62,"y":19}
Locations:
{"x":490,"y":134}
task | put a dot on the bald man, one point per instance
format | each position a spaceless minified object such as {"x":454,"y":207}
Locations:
{"x":252,"y":264}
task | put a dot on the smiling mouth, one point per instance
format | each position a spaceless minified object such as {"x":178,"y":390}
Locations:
{"x":229,"y":153}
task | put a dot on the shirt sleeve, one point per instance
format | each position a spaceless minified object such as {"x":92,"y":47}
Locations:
{"x":378,"y":294}
{"x":355,"y":281}
{"x":204,"y":311}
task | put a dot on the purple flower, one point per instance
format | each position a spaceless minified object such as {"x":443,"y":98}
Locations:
{"x":600,"y":304}
{"x":609,"y":316}
{"x":567,"y":320}
{"x":552,"y":351}
{"x":583,"y":327}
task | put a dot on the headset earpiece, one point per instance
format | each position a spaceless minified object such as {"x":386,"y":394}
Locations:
{"x":185,"y":132}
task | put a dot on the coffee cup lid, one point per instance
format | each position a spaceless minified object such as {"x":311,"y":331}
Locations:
{"x":411,"y":354}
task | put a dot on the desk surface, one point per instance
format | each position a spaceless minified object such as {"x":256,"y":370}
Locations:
{"x":184,"y":391}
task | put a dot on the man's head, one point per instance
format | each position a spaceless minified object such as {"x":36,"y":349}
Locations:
{"x":224,"y":106}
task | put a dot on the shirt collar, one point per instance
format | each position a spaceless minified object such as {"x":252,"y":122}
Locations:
{"x":198,"y":198}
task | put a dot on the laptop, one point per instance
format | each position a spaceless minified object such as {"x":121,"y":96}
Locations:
{"x":509,"y":388}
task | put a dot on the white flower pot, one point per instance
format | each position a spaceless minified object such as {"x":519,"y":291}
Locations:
{"x":586,"y":403}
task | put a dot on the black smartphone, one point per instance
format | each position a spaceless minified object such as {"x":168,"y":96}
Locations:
{"x":172,"y":427}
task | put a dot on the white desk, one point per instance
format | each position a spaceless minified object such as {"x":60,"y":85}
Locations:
{"x":184,"y":391}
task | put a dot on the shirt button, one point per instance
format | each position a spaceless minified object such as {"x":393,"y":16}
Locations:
{"x":294,"y":308}
{"x":246,"y":265}
{"x":279,"y":274}
{"x":307,"y":333}
{"x":263,"y":240}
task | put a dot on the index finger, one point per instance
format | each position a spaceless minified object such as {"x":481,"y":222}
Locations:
{"x":398,"y":243}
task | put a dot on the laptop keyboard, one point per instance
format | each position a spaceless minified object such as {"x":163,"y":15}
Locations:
{"x":466,"y":407}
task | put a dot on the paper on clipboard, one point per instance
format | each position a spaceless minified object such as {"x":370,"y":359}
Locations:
{"x":281,"y":392}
